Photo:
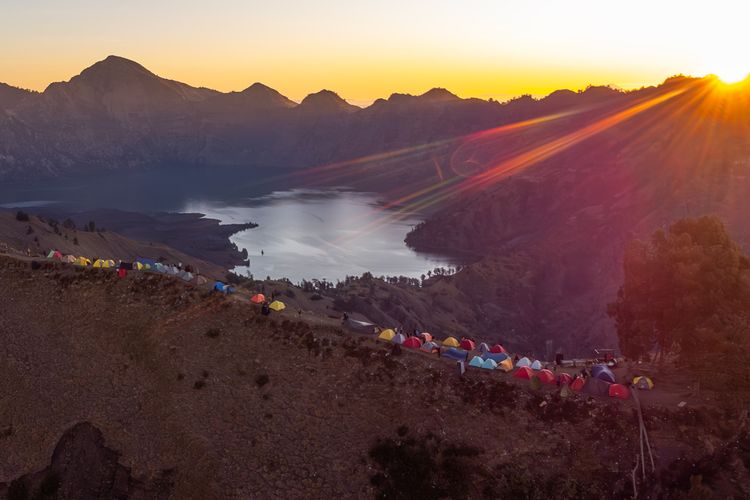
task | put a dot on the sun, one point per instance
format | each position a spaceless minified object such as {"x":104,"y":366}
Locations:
{"x":731,"y":75}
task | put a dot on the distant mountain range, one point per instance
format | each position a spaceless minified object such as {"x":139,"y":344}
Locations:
{"x":117,"y":115}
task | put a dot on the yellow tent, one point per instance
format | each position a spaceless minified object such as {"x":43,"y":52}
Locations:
{"x":387,"y":335}
{"x":277,"y":305}
{"x":138,"y":266}
{"x":505,"y":365}
{"x":100,"y":263}
{"x":643,"y":383}
{"x":451,"y":342}
{"x":83,"y":261}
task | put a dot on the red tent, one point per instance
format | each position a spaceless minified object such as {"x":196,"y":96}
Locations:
{"x":524,"y":372}
{"x":497,"y":349}
{"x":564,"y":379}
{"x":577,"y":384}
{"x":258,"y":298}
{"x":619,"y":391}
{"x":412,"y":343}
{"x":546,"y":376}
{"x":467,"y":344}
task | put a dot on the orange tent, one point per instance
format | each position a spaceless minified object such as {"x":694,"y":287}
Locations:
{"x":577,"y":384}
{"x":258,"y":298}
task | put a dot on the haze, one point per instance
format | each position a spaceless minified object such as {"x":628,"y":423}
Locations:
{"x":366,"y":50}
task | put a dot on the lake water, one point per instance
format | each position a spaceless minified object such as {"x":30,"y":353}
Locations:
{"x":303,"y":233}
{"x":306,"y":234}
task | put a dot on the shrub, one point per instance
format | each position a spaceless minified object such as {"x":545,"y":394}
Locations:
{"x":199,"y":384}
{"x":213,"y":332}
{"x":22,"y":216}
{"x":262,"y":379}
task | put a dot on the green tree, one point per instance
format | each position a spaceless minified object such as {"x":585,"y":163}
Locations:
{"x":685,"y":291}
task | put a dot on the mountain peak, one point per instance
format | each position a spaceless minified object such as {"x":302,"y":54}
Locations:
{"x":326,"y":101}
{"x":439,"y":94}
{"x":259,"y":95}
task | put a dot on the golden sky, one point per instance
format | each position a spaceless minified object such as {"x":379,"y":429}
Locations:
{"x":369,"y":49}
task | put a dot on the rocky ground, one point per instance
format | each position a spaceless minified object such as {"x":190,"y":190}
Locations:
{"x":203,"y":397}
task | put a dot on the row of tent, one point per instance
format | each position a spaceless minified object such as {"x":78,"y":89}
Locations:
{"x":602,"y":381}
{"x":140,"y":264}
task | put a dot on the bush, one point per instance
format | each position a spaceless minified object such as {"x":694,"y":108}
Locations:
{"x":22,"y":216}
{"x":199,"y":384}
{"x":213,"y":333}
{"x":262,"y":379}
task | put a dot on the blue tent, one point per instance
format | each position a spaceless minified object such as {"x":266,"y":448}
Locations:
{"x":536,"y":365}
{"x":489,"y":364}
{"x":496,"y":357}
{"x":223,"y":287}
{"x":454,"y":353}
{"x":602,"y":372}
{"x":476,"y":362}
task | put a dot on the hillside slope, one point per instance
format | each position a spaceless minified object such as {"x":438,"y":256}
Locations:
{"x":224,"y":402}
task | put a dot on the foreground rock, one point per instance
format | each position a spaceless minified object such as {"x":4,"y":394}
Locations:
{"x":83,"y":468}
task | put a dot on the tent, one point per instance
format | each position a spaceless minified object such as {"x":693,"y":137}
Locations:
{"x":200,"y":280}
{"x":577,"y":384}
{"x":483,"y":347}
{"x":147,"y":263}
{"x":467,"y":344}
{"x":185,"y":276}
{"x":505,"y":365}
{"x":546,"y":377}
{"x":111,"y":263}
{"x":497,"y":348}
{"x":128,"y":266}
{"x":596,"y":386}
{"x":98,"y":263}
{"x":426,"y":337}
{"x":489,"y":364}
{"x":70,"y":259}
{"x":564,"y":379}
{"x":139,"y":266}
{"x":82,"y":261}
{"x":497,"y":358}
{"x":429,"y":347}
{"x":602,"y":372}
{"x":55,"y":255}
{"x":523,"y":362}
{"x":524,"y":373}
{"x":399,"y":338}
{"x":619,"y":391}
{"x":454,"y":353}
{"x":387,"y":335}
{"x":476,"y":362}
{"x":412,"y":343}
{"x":258,"y":298}
{"x":536,"y":365}
{"x":451,"y":342}
{"x":104,"y":264}
{"x":219,"y":286}
{"x":277,"y":306}
{"x":643,"y":383}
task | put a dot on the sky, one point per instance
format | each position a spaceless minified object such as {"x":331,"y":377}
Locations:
{"x":369,"y":49}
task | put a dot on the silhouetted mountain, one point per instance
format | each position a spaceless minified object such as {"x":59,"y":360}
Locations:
{"x":326,"y":102}
{"x":12,"y":96}
{"x":119,"y":115}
